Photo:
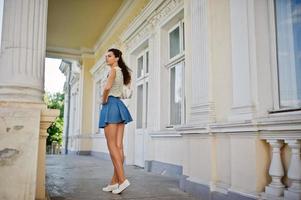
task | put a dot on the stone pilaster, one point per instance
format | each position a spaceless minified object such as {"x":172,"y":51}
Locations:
{"x":201,"y":110}
{"x":243,"y":58}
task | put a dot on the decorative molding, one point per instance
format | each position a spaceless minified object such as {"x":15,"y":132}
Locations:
{"x":159,"y":134}
{"x":264,"y":128}
{"x":139,"y":30}
{"x":64,"y":67}
{"x":60,"y":52}
{"x":122,"y":11}
{"x":151,"y":16}
{"x":140,"y":36}
{"x":139,"y":20}
{"x":202,"y":113}
{"x":276,"y":135}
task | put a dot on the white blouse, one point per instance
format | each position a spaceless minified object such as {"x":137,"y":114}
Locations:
{"x":117,"y":86}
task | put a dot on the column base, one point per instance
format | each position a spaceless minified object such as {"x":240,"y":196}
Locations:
{"x":241,"y":113}
{"x":276,"y":191}
{"x":266,"y":196}
{"x":21,"y":94}
{"x":291,"y":195}
{"x":202,"y":114}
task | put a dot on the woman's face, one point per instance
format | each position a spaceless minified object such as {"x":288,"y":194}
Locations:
{"x":110,"y":58}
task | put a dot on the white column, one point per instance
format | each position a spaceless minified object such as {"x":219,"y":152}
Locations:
{"x":275,"y":188}
{"x":243,"y":57}
{"x":201,"y":108}
{"x":23,"y":50}
{"x":294,"y":171}
{"x":65,"y":68}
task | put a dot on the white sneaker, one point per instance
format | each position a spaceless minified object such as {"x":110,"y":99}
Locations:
{"x":121,"y":187}
{"x":110,"y":188}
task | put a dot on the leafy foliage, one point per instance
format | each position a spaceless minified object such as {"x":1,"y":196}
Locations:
{"x":55,"y":131}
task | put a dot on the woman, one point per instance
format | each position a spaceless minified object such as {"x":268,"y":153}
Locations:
{"x":113,"y":117}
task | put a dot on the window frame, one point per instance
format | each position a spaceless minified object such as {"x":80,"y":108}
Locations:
{"x":183,"y":104}
{"x":180,"y":25}
{"x":143,"y":80}
{"x":274,"y":62}
{"x":172,"y":62}
{"x":143,"y":55}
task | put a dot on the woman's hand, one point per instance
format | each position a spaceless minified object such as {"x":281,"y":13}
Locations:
{"x":104,"y":101}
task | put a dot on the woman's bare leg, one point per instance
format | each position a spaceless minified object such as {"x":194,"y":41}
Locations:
{"x":111,"y":136}
{"x":119,"y":143}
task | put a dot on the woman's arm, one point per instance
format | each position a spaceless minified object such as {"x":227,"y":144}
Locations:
{"x":108,"y":85}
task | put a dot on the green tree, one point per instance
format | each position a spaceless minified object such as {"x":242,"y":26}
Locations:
{"x":55,"y":131}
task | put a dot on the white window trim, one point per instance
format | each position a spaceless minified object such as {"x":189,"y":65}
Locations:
{"x":142,"y":80}
{"x":274,"y":62}
{"x":143,"y":54}
{"x":146,"y":51}
{"x":166,"y":26}
{"x":171,"y":62}
{"x":183,"y":106}
{"x":182,"y":51}
{"x":180,"y":58}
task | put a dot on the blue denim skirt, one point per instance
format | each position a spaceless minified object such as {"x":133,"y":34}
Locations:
{"x":114,"y":112}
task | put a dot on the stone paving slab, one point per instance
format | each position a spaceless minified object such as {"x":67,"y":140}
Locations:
{"x":75,"y":177}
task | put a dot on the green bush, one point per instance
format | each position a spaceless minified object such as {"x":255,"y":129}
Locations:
{"x":55,"y":131}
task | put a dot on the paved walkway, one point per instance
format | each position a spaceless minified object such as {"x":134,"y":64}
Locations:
{"x":74,"y":177}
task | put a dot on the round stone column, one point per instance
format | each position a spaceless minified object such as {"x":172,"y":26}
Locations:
{"x":22,"y":51}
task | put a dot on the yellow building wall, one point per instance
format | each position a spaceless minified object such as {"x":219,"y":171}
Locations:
{"x":87,"y":62}
{"x":118,"y":30}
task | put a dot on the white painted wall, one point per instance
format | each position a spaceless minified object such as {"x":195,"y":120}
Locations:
{"x":230,"y":89}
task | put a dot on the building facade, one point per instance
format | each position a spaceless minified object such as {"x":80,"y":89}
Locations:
{"x":217,"y":95}
{"x":24,"y":117}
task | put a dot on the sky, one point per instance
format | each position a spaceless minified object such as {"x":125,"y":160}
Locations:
{"x":54,"y":78}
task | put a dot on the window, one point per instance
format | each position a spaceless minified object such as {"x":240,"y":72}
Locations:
{"x":176,"y":74}
{"x":142,"y":88}
{"x":147,"y":62}
{"x":288,"y":33}
{"x":140,"y":67}
{"x":139,"y":106}
{"x":176,"y":40}
{"x":177,"y":94}
{"x":1,"y":18}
